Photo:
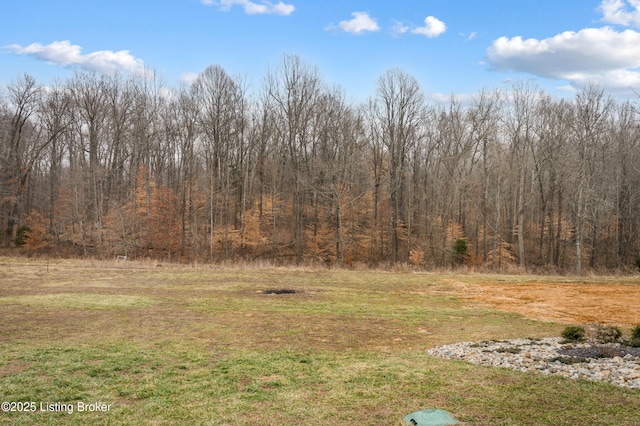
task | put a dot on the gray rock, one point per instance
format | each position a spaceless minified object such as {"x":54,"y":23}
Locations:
{"x":576,"y":361}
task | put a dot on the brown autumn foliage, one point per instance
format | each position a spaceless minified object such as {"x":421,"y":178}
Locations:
{"x":36,"y":236}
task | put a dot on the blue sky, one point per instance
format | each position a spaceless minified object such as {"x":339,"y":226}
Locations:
{"x":450,"y":46}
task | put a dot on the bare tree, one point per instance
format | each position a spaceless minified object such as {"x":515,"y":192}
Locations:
{"x":221,"y":105}
{"x":120,"y":98}
{"x":90,"y":95}
{"x":30,"y":126}
{"x":401,"y":106}
{"x":520,"y":124}
{"x":335,"y":167}
{"x":181,"y":118}
{"x":590,"y":126}
{"x":19,"y":148}
{"x":293,"y":91}
{"x":56,"y":121}
{"x":484,"y":116}
{"x":524,"y":178}
{"x":626,"y":139}
{"x":550,"y":151}
{"x":377,"y":163}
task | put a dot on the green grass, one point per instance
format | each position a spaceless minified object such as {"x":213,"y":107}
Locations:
{"x":79,"y":301}
{"x":205,"y":346}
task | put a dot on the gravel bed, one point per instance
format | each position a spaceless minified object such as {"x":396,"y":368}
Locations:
{"x":615,"y":364}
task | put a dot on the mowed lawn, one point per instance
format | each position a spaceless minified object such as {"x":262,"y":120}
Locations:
{"x":208,"y":346}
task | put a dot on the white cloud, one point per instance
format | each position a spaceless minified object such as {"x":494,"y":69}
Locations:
{"x":602,"y":55}
{"x":66,"y":54}
{"x":447,"y":98}
{"x":166,"y":93}
{"x":263,"y":7}
{"x":399,"y":28}
{"x":360,"y":23}
{"x":617,"y":12}
{"x":188,"y":78}
{"x":469,"y":36}
{"x":433,"y":27}
{"x":567,"y":88}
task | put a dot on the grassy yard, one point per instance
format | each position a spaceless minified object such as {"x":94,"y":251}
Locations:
{"x":169,"y":345}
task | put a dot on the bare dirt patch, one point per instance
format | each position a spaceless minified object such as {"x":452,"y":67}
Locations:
{"x":280,"y":291}
{"x":607,"y":303}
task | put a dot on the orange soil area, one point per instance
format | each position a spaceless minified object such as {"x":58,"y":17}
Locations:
{"x":613,"y":304}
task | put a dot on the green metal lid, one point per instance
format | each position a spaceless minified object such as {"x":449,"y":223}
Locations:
{"x":432,"y":417}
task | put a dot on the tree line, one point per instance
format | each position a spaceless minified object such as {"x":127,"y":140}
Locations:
{"x":107,"y":165}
